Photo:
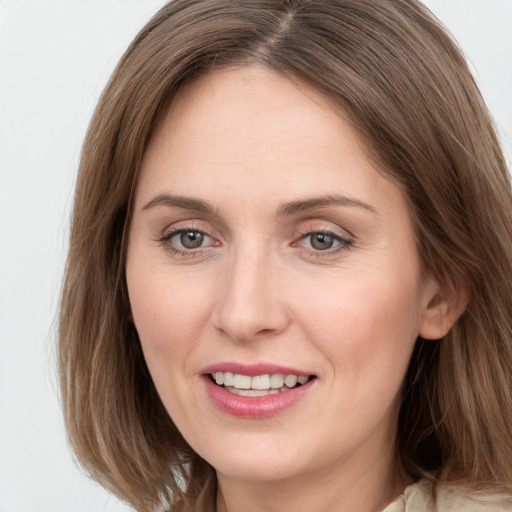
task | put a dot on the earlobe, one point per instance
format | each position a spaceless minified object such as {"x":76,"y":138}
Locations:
{"x":444,"y":306}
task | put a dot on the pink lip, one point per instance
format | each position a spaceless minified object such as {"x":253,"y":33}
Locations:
{"x":253,"y":407}
{"x":252,"y":369}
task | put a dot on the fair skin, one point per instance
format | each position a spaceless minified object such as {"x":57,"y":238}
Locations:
{"x":263,"y":235}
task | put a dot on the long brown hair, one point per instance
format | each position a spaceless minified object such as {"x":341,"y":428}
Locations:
{"x":401,"y":81}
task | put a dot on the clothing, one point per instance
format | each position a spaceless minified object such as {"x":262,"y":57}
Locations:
{"x":419,"y":498}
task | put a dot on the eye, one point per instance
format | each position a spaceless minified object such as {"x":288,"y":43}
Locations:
{"x":190,"y":239}
{"x":187,"y":241}
{"x":321,"y":241}
{"x":324,"y":242}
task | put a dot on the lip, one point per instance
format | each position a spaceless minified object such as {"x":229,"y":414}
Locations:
{"x":252,"y":370}
{"x":254,"y":407}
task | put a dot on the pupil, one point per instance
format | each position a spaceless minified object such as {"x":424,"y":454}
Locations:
{"x":191,"y":239}
{"x":321,"y":241}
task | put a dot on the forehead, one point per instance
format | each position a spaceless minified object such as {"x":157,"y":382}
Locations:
{"x":252,"y":108}
{"x":256,"y":135}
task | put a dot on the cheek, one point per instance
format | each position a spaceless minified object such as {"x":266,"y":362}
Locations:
{"x":168,"y":313}
{"x":367,"y":327}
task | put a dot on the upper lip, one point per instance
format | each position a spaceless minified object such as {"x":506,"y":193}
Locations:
{"x":253,"y":370}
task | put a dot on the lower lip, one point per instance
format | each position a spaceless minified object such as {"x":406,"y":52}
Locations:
{"x":254,"y":406}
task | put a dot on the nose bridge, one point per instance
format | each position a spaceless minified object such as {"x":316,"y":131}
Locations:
{"x":250,"y":304}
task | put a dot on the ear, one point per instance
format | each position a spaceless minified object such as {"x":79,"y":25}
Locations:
{"x":445,"y":303}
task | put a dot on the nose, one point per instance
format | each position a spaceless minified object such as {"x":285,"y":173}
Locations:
{"x":251,"y":304}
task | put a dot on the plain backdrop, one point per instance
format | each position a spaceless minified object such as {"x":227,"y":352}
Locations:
{"x":55,"y":57}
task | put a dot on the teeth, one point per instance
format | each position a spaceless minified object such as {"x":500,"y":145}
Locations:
{"x":275,"y":383}
{"x":290,"y":380}
{"x":260,"y":382}
{"x":242,"y":381}
{"x":253,"y":392}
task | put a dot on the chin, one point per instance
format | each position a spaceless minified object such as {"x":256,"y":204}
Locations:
{"x":262,"y":470}
{"x":256,"y":459}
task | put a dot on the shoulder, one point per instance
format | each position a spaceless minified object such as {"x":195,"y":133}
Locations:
{"x":420,"y":497}
{"x":456,"y":501}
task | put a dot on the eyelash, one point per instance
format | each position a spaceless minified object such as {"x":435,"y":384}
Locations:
{"x":345,"y":243}
{"x":165,"y":240}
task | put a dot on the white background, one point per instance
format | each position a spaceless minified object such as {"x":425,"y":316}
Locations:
{"x":55,"y":57}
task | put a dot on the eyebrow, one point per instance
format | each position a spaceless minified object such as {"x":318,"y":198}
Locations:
{"x":286,"y":209}
{"x":187,"y":203}
{"x":319,"y":202}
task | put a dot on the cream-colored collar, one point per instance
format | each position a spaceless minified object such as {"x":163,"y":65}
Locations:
{"x":420,"y":498}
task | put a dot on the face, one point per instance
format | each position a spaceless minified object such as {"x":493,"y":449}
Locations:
{"x":273,"y":279}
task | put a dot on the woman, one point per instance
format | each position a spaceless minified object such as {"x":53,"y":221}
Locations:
{"x":288,"y":284}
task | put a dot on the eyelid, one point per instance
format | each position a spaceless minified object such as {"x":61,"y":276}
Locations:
{"x":344,"y":238}
{"x":165,"y":239}
{"x":328,"y":227}
{"x":339,"y":238}
{"x":172,"y":233}
{"x":186,"y":225}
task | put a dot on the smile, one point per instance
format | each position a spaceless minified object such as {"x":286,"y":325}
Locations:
{"x":258,"y":385}
{"x":256,"y":391}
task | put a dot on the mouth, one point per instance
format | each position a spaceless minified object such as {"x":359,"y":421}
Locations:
{"x":256,"y":391}
{"x":258,"y":385}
